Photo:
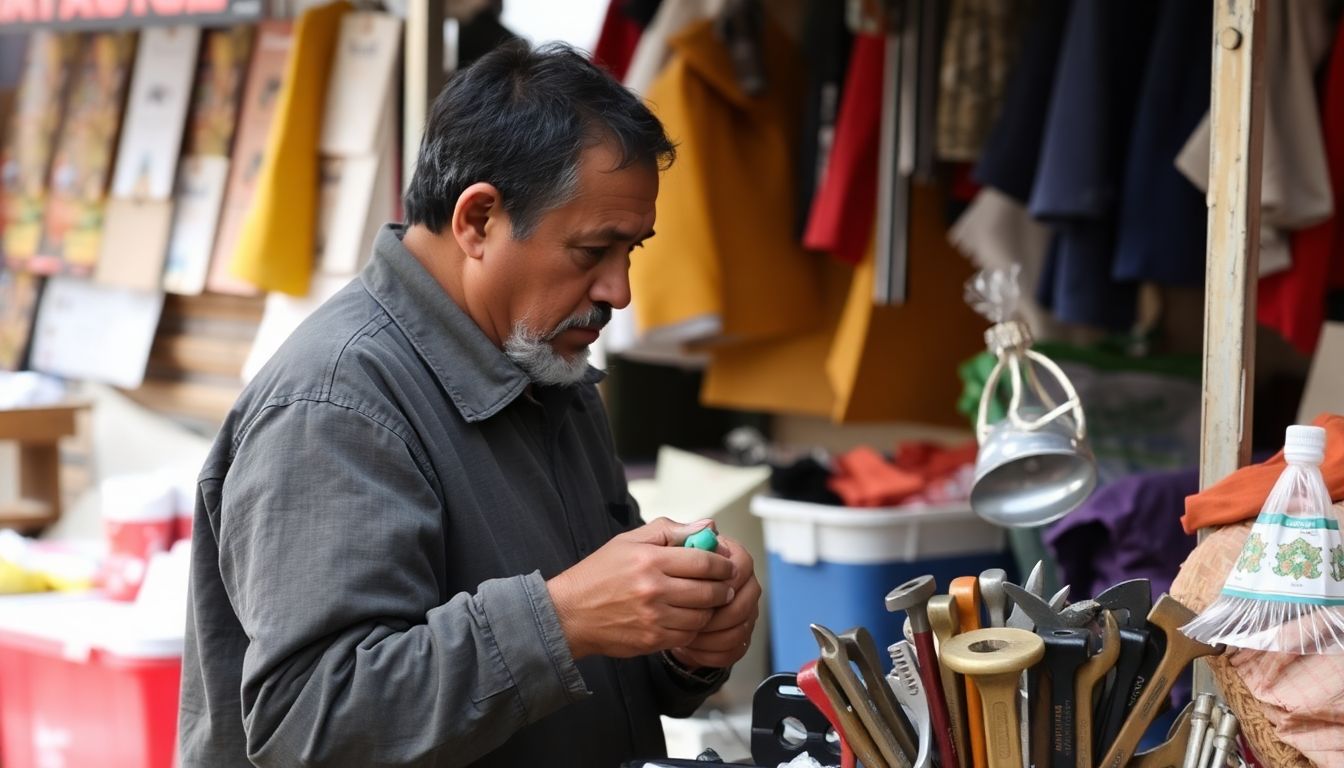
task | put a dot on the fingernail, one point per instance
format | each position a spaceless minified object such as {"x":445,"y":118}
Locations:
{"x":731,"y":592}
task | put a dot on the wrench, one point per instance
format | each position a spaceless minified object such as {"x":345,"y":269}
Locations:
{"x":836,"y":658}
{"x":1170,"y":753}
{"x":851,"y":729}
{"x":1130,"y":602}
{"x":1086,"y":683}
{"x":995,"y":659}
{"x":965,"y":592}
{"x":1167,"y":616}
{"x":811,"y":687}
{"x":945,"y":622}
{"x":863,"y":652}
{"x":909,"y":690}
{"x":991,"y":593}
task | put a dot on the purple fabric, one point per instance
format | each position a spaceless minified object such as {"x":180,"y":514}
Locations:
{"x":1129,"y":529}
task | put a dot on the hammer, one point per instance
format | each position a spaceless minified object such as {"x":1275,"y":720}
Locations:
{"x":995,"y":659}
{"x":1167,"y":616}
{"x":913,"y":598}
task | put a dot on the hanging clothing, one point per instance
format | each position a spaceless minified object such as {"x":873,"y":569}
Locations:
{"x":1295,"y":183}
{"x":655,"y":49}
{"x":275,"y":248}
{"x":845,"y":369}
{"x":827,"y":40}
{"x":1163,"y":219}
{"x":841,"y":220}
{"x":1293,"y":302}
{"x":1086,"y":140}
{"x":1012,"y":149}
{"x":617,"y":40}
{"x":724,"y":269}
{"x":979,"y":47}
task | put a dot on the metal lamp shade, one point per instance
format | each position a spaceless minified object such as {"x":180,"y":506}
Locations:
{"x":1030,"y":477}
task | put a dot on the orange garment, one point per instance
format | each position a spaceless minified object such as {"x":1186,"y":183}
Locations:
{"x":867,"y":362}
{"x":863,"y":478}
{"x":932,"y":460}
{"x":1240,"y":495}
{"x":726,"y":265}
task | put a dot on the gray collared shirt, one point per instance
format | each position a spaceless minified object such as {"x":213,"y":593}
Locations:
{"x":374,"y":527}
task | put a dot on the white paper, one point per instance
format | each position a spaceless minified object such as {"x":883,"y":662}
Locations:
{"x":200,"y":196}
{"x":156,"y":113}
{"x":89,"y":331}
{"x":361,"y":82}
{"x":348,"y":185}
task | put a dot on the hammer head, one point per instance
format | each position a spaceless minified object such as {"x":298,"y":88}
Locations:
{"x":915,"y":592}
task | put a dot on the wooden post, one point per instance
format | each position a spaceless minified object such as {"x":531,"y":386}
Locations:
{"x":423,"y":75}
{"x":1236,"y":147}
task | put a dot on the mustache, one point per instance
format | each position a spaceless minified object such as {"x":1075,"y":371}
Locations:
{"x":595,"y":318}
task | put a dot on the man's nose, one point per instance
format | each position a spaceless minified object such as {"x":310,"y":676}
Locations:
{"x":613,"y":284}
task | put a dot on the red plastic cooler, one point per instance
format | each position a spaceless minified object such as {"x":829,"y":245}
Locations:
{"x":86,"y":682}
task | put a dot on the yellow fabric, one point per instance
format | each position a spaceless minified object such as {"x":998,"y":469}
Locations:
{"x":900,"y":362}
{"x":276,"y":245}
{"x":867,"y":363}
{"x":726,"y":247}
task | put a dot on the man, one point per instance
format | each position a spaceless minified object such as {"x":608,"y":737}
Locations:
{"x":414,"y":543}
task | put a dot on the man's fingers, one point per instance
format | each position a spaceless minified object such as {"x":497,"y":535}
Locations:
{"x":664,"y":532}
{"x":689,"y":563}
{"x":698,"y":593}
{"x":722,"y":642}
{"x":684,"y":619}
{"x":744,"y":607}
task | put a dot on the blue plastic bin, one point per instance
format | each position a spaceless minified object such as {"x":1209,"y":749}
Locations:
{"x":834,"y":565}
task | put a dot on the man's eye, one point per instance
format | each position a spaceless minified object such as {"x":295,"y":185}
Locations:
{"x":596,"y":253}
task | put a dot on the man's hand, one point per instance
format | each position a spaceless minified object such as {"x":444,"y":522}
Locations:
{"x":725,"y":638}
{"x":642,"y":592}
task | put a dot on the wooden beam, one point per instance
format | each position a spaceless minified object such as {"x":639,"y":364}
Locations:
{"x":423,"y":75}
{"x":1237,"y":120}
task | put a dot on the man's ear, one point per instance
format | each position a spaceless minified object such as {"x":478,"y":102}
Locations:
{"x":476,"y":206}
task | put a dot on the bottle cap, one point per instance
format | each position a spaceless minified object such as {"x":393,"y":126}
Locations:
{"x":1305,"y":444}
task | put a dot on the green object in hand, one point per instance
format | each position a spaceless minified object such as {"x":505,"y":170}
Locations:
{"x":703,"y":539}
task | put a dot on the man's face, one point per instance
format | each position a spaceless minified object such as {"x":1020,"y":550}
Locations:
{"x":555,"y":290}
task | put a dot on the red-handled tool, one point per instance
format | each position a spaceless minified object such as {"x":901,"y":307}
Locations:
{"x":811,"y":686}
{"x":913,"y":598}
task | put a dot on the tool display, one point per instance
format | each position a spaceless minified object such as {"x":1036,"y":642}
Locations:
{"x":1063,"y":685}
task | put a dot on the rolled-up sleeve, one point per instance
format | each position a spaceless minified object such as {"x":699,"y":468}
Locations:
{"x":331,"y":552}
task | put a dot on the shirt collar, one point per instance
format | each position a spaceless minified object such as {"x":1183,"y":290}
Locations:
{"x":479,"y":378}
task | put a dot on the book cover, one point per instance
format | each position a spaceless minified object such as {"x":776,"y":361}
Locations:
{"x":18,"y":302}
{"x":26,"y":163}
{"x":84,"y":154}
{"x":363,"y":77}
{"x":95,"y":332}
{"x":156,"y":113}
{"x":260,"y":99}
{"x":204,"y":170}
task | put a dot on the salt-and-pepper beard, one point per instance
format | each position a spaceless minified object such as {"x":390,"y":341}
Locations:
{"x":532,"y":351}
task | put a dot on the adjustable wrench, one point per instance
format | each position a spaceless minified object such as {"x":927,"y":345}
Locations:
{"x":862,"y":651}
{"x":1129,"y":602}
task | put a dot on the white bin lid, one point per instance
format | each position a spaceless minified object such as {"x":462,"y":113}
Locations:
{"x":802,"y":533}
{"x":81,"y":623}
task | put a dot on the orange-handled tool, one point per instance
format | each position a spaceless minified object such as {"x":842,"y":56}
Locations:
{"x":965,"y":591}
